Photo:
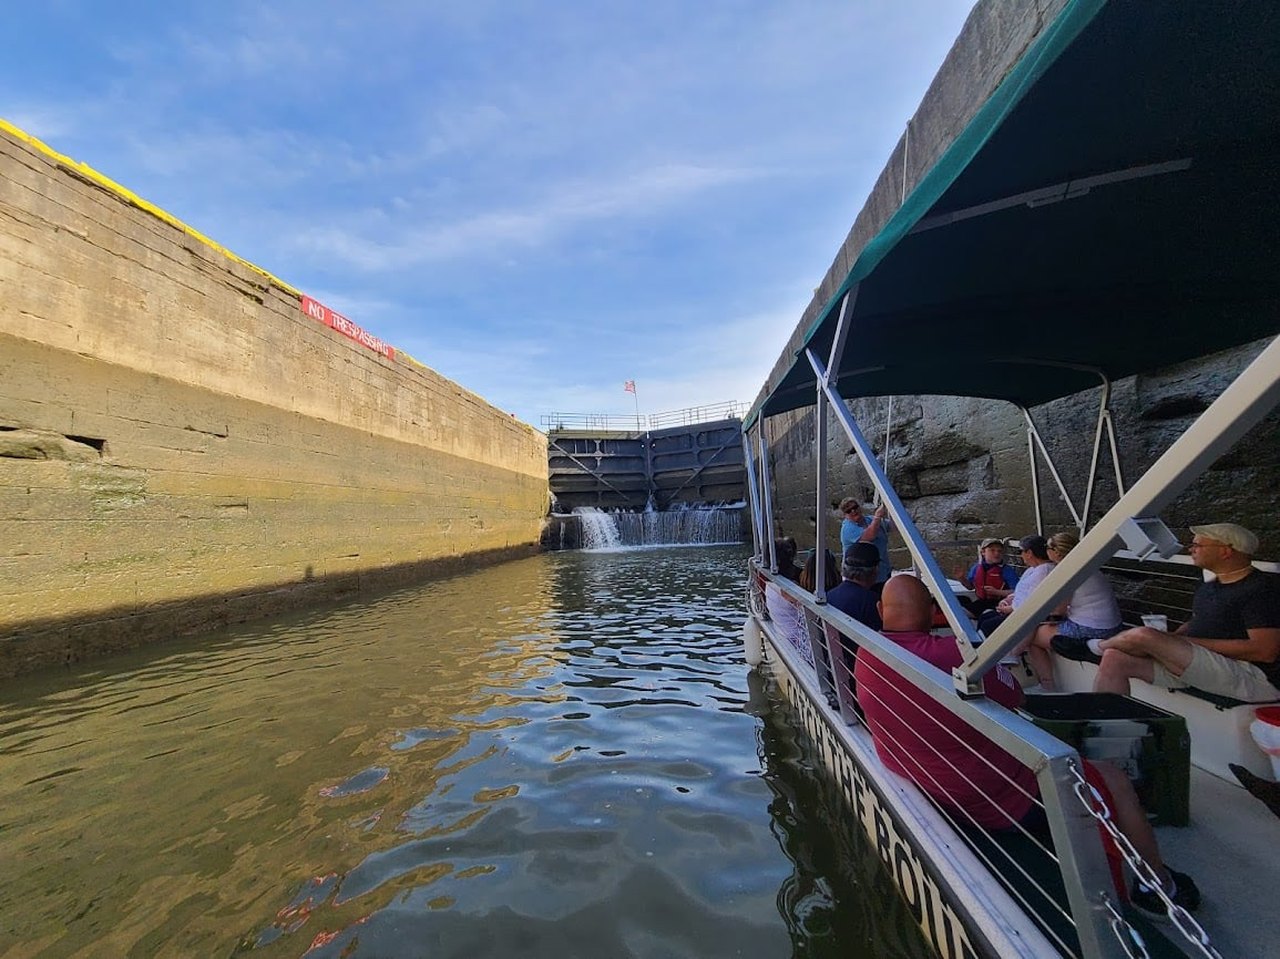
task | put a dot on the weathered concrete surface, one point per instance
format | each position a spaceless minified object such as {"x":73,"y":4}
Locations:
{"x":961,"y":465}
{"x":181,"y":447}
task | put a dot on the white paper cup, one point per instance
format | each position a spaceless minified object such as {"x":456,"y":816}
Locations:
{"x":1156,"y":621}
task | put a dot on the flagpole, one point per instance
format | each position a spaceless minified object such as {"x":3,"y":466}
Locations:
{"x":630,"y":387}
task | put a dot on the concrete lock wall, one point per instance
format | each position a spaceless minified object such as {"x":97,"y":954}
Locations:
{"x":181,"y":446}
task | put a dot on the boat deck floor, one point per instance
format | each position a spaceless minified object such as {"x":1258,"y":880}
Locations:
{"x":1230,"y":849}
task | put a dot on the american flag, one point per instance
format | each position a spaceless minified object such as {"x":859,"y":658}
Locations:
{"x":629,"y":386}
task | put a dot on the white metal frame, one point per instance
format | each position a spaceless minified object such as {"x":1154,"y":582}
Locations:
{"x":1242,"y":405}
{"x":1035,"y":443}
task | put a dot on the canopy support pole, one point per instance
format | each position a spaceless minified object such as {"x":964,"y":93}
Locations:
{"x":1034,"y":467}
{"x":820,"y":439}
{"x":768,"y":498}
{"x":1105,"y":422}
{"x":1033,"y":437}
{"x":931,"y":573}
{"x":1253,"y":394}
{"x":820,"y":508}
{"x":888,"y":434}
{"x":753,"y":491}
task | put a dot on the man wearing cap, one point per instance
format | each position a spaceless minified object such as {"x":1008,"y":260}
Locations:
{"x":990,"y":578}
{"x":856,"y":596}
{"x":857,"y":528}
{"x":1231,"y":644}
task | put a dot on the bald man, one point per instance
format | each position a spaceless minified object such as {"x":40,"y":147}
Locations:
{"x":960,"y":769}
{"x":919,"y":748}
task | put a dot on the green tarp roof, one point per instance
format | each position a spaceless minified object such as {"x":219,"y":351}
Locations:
{"x":1113,"y":206}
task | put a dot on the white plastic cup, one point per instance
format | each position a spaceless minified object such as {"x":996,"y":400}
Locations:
{"x":1265,"y":730}
{"x":1156,"y":621}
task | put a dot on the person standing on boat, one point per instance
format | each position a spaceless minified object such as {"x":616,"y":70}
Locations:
{"x":990,"y":578}
{"x":1231,"y":644}
{"x":857,"y":528}
{"x":960,"y":769}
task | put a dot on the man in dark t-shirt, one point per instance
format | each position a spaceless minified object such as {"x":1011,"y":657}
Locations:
{"x":856,"y":596}
{"x":1231,"y":644}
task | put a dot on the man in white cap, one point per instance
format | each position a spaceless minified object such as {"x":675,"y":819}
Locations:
{"x":1231,"y":644}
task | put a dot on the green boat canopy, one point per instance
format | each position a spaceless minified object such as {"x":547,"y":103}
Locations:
{"x":1113,"y":208}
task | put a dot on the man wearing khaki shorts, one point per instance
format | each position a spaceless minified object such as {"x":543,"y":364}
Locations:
{"x":1231,"y":644}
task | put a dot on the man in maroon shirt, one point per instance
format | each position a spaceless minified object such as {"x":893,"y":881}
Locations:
{"x":957,"y":767}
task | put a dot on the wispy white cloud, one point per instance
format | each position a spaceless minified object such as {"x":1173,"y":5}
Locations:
{"x":540,"y":200}
{"x":372,"y":245}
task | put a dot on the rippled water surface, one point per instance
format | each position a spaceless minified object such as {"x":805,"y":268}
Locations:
{"x":561,"y":756}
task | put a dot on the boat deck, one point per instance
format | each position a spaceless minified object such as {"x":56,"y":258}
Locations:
{"x":1230,"y":850}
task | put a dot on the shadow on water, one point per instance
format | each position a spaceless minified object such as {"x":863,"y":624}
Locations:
{"x":560,"y":756}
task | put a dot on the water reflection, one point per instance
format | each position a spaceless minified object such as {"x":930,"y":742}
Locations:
{"x":560,"y":756}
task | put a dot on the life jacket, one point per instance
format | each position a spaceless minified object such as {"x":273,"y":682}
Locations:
{"x":988,"y":577}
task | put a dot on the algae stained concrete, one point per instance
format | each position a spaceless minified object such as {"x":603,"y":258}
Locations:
{"x":182,"y":447}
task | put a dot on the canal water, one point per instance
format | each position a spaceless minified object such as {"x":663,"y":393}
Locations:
{"x":560,"y":756}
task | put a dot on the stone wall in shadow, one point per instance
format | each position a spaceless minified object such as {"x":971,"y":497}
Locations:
{"x":961,"y":465}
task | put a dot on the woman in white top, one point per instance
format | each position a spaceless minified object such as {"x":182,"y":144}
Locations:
{"x":1090,"y":613}
{"x":789,"y":620}
{"x":1035,"y":553}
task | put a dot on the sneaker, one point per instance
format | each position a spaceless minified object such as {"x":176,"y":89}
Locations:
{"x":1185,"y":894}
{"x":1076,"y":649}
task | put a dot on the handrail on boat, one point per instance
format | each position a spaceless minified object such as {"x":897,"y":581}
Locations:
{"x":1078,"y":854}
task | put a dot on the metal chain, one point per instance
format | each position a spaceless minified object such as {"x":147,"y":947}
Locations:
{"x":1130,"y":940}
{"x":1093,"y":802}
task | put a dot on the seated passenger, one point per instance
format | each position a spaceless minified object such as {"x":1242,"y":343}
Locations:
{"x":788,"y":620}
{"x":1091,"y":612}
{"x":809,"y":575}
{"x":857,"y":595}
{"x":960,"y":769}
{"x":1035,"y":554}
{"x":784,"y":551}
{"x":1231,"y":644}
{"x":857,"y":528}
{"x":990,"y":578}
{"x":790,"y":617}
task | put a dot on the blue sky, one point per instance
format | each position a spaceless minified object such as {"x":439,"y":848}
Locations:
{"x":538,"y":200}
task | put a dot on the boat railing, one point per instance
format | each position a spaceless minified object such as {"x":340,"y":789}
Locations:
{"x":1066,"y":884}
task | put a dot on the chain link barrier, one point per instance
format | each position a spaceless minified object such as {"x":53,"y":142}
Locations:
{"x":1182,"y":920}
{"x":1130,"y":940}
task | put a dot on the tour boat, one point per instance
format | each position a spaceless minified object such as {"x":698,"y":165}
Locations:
{"x":1112,"y":210}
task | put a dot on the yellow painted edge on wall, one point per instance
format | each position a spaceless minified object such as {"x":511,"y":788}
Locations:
{"x":133,"y":199}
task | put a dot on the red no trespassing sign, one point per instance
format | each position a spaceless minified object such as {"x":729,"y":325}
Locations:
{"x":336,"y":321}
